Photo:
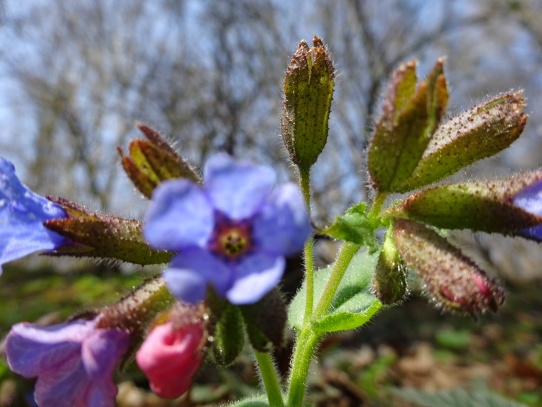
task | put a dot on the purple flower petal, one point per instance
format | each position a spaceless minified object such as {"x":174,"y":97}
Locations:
{"x":180,"y":215}
{"x":256,"y":275}
{"x":22,"y":214}
{"x":530,"y":199}
{"x":191,"y":271}
{"x":283,"y":225}
{"x":32,"y":349}
{"x":237,"y":188}
{"x":74,"y":362}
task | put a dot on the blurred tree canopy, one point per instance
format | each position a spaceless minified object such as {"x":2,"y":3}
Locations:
{"x":76,"y":75}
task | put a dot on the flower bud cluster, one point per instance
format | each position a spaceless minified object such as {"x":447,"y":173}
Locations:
{"x":225,"y":239}
{"x":410,"y":150}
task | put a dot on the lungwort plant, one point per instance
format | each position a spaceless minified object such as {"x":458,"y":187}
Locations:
{"x":223,"y":239}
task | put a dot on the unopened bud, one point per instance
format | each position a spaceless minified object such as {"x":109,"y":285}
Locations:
{"x":504,"y":206}
{"x":480,"y":132}
{"x":454,"y":281}
{"x":409,"y":118}
{"x":172,"y":352}
{"x":104,"y":236}
{"x":152,"y":161}
{"x":308,"y":91}
{"x":389,"y":280}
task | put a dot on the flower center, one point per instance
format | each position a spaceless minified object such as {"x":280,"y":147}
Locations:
{"x":231,"y":239}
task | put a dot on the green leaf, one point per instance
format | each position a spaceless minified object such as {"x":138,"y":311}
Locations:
{"x":355,"y":226}
{"x":354,"y":302}
{"x":346,"y":320}
{"x":258,"y":401}
{"x":454,"y":398}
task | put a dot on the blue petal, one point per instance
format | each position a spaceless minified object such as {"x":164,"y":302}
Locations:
{"x":22,"y":214}
{"x":190,"y":272}
{"x":237,"y":188}
{"x":283,"y":225}
{"x":32,"y":349}
{"x":530,"y":199}
{"x":180,"y":215}
{"x":74,"y":361}
{"x":256,"y":275}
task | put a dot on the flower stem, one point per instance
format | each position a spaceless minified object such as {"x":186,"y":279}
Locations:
{"x":305,"y":346}
{"x":309,"y":279}
{"x":269,"y":376}
{"x":377,"y":204}
{"x":341,"y":264}
{"x":304,"y":181}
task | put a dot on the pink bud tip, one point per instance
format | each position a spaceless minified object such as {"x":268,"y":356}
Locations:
{"x":170,"y":357}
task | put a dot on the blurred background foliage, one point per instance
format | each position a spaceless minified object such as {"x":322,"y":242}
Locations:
{"x":76,"y":75}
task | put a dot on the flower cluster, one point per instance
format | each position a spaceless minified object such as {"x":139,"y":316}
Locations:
{"x":225,"y":238}
{"x":231,"y":234}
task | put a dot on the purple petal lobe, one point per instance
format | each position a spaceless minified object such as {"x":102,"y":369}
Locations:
{"x":530,"y":199}
{"x":191,"y":271}
{"x":22,"y":214}
{"x":237,"y":188}
{"x":283,"y":225}
{"x":180,"y":215}
{"x":74,"y":362}
{"x":31,"y":349}
{"x":256,"y":275}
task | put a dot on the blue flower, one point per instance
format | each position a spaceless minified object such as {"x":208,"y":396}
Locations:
{"x":530,"y":199}
{"x":232,"y":233}
{"x":74,"y":362}
{"x":22,"y":213}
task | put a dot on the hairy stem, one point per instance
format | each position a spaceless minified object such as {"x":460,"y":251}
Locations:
{"x":270,"y":379}
{"x":341,"y":264}
{"x":304,"y":181}
{"x":305,"y":347}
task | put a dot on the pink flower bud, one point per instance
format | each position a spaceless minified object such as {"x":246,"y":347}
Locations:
{"x":170,"y":357}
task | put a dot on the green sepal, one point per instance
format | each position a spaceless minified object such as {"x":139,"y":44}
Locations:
{"x":136,"y":311}
{"x":481,"y":206}
{"x":266,"y":321}
{"x":153,"y":161}
{"x":354,"y":302}
{"x":410,"y":117}
{"x":355,"y":226}
{"x":103,"y":236}
{"x":229,"y":330}
{"x":480,"y":132}
{"x":308,"y":92}
{"x":389,"y":280}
